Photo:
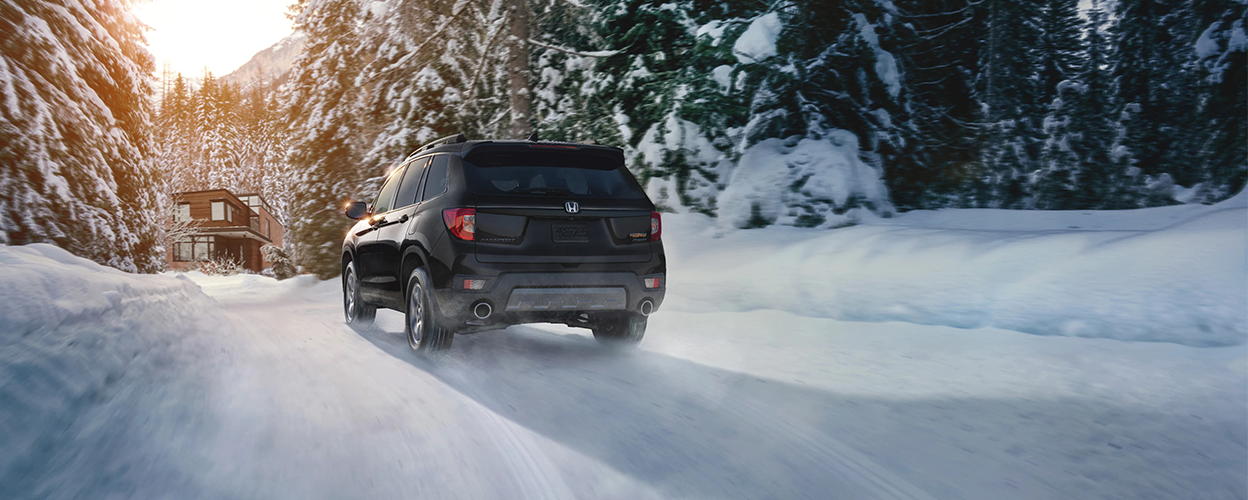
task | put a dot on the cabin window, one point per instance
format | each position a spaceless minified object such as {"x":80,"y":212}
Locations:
{"x":182,"y":251}
{"x":218,"y":210}
{"x":182,"y":212}
{"x":194,"y":248}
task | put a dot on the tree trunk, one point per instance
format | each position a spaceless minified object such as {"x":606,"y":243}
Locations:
{"x":519,"y":66}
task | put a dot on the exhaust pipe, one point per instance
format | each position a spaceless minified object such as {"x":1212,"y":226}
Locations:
{"x":482,"y":310}
{"x":647,"y":307}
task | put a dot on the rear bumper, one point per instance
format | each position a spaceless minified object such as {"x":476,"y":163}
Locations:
{"x":518,"y":297}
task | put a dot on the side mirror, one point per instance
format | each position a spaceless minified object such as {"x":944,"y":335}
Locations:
{"x":357,"y":210}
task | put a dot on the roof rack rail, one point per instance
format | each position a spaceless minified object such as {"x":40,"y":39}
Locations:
{"x":450,"y":139}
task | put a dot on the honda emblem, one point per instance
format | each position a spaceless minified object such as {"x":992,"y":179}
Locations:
{"x":572,"y":207}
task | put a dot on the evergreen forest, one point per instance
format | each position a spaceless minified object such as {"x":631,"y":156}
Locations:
{"x":810,"y":113}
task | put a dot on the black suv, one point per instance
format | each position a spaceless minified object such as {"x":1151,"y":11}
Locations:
{"x":467,"y":236}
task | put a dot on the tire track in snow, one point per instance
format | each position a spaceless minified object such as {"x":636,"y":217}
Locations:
{"x":829,"y":466}
{"x":532,"y":472}
{"x":535,"y":476}
{"x":844,"y":461}
{"x":523,"y":456}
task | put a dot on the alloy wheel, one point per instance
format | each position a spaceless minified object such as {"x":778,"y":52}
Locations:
{"x":416,"y":316}
{"x":350,"y":304}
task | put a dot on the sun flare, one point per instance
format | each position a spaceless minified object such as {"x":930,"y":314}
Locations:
{"x":219,"y":35}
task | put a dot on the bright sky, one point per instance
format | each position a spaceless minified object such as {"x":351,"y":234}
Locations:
{"x":218,"y":34}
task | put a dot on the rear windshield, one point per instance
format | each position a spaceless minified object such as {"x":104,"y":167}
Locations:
{"x":548,"y":174}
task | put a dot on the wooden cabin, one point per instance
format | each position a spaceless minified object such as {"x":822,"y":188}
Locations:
{"x":226,"y":226}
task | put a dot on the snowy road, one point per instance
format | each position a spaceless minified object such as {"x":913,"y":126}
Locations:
{"x":314,"y":408}
{"x":258,"y":389}
{"x":280,"y":399}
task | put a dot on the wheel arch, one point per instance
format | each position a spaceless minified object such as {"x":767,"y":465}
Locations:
{"x":413,"y":257}
{"x":348,"y":251}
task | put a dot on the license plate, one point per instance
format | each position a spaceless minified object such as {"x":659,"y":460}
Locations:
{"x":570,"y":233}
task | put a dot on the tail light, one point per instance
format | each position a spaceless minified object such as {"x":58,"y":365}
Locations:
{"x":656,"y":226}
{"x":461,"y":221}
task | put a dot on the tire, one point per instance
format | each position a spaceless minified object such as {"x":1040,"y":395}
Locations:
{"x":424,"y":333}
{"x":356,"y":311}
{"x":625,"y":331}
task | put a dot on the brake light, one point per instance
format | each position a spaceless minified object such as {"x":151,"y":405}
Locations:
{"x":656,"y":226}
{"x":652,"y":282}
{"x":462,"y":222}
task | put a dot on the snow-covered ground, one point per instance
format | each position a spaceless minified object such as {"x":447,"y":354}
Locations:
{"x":951,"y":354}
{"x":1171,"y":274}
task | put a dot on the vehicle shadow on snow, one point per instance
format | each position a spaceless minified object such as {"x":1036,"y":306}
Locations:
{"x":692,"y":430}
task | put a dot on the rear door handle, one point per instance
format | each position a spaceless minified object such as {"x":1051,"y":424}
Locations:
{"x":383,"y":223}
{"x":390,"y":222}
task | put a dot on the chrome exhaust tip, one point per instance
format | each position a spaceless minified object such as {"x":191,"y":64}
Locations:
{"x":647,"y":307}
{"x":482,"y":310}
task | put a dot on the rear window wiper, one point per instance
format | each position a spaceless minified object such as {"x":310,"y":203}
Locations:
{"x":541,"y":190}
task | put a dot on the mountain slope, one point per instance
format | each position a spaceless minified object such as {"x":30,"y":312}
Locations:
{"x":270,"y":63}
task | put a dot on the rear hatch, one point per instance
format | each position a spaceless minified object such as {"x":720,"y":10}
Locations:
{"x":564,"y":204}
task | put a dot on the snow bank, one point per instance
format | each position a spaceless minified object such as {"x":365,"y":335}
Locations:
{"x":1170,"y":274}
{"x":250,"y":287}
{"x":69,"y":330}
{"x":811,"y":183}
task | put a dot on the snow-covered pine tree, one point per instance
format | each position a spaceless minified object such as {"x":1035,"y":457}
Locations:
{"x":1155,"y":93}
{"x":1098,"y":180}
{"x":216,"y":128}
{"x":940,"y":59}
{"x":254,"y":130}
{"x":823,"y":90}
{"x":1060,"y":50}
{"x":1076,"y":122}
{"x":488,"y":51}
{"x":321,"y":104}
{"x":1009,"y":92}
{"x":278,"y":183}
{"x":176,"y":131}
{"x":172,"y":100}
{"x":1222,"y":65}
{"x":571,"y":95}
{"x":443,"y":67}
{"x":170,"y":158}
{"x":75,"y":131}
{"x":1053,"y":183}
{"x":416,"y":78}
{"x":665,"y":87}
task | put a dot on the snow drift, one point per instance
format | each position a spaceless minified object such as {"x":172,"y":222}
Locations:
{"x":70,"y":329}
{"x":815,"y":182}
{"x":1169,"y":274}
